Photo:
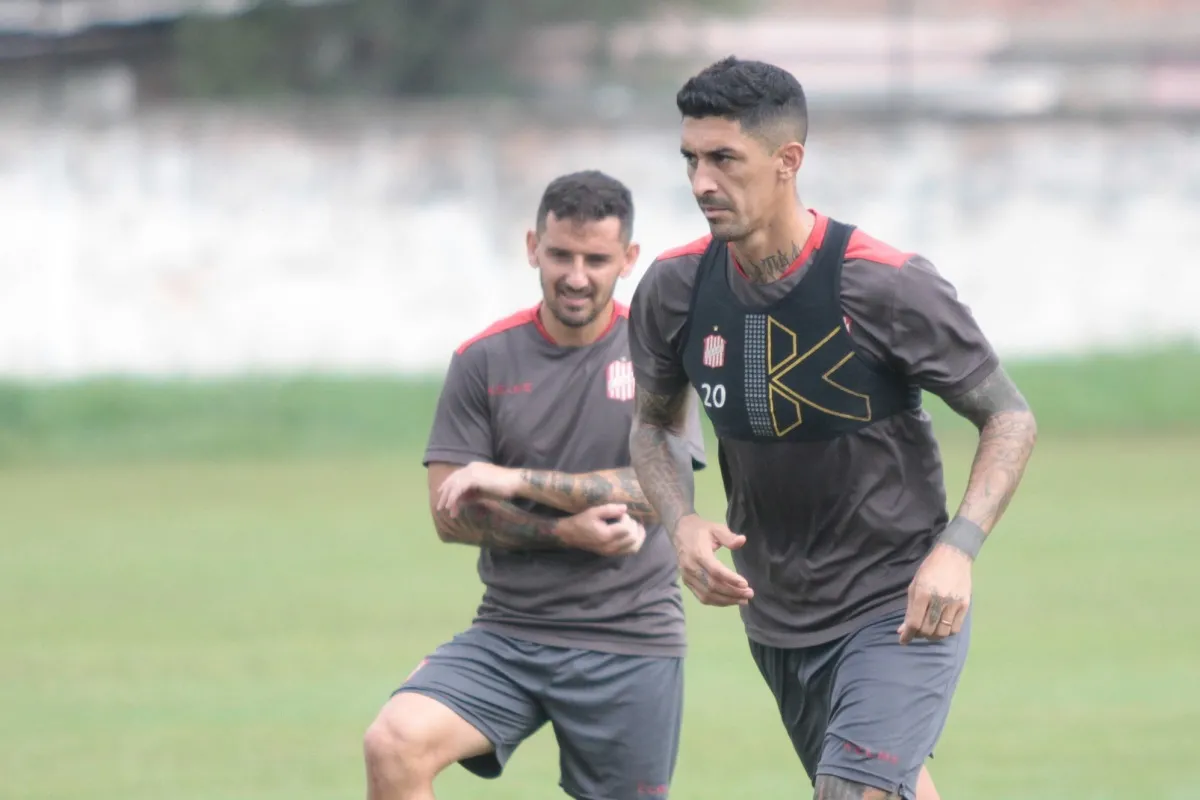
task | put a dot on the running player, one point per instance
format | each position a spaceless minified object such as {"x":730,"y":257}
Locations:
{"x":581,"y":623}
{"x":809,"y":343}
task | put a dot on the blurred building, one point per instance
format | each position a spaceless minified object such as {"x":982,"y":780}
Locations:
{"x":1045,"y":156}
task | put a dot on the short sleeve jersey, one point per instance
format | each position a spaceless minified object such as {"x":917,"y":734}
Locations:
{"x":515,"y":398}
{"x":835,"y":528}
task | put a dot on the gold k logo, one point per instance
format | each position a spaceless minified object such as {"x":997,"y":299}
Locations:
{"x":786,"y":398}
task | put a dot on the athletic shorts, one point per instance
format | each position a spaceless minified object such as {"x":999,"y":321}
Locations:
{"x":865,"y":707}
{"x":616,"y":717}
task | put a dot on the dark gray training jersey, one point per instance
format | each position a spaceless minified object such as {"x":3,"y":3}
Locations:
{"x":515,"y":398}
{"x":835,"y":529}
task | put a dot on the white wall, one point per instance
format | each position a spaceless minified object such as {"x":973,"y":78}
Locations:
{"x":218,"y":242}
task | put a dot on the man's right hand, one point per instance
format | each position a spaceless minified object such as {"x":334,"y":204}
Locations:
{"x":606,"y":530}
{"x":713,"y":583}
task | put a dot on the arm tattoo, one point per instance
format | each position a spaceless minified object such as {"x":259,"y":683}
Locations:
{"x":576,"y":493}
{"x":1007,"y":434}
{"x":498,"y":525}
{"x":830,"y":787}
{"x":771,"y":267}
{"x":660,"y":457}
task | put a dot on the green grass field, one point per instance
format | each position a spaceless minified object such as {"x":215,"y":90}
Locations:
{"x":224,"y":628}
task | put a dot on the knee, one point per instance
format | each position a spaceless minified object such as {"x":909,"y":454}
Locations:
{"x":395,"y":745}
{"x":830,"y":787}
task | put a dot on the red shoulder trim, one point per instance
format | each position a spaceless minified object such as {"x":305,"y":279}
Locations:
{"x":620,"y":309}
{"x":690,"y":249}
{"x":527,"y":316}
{"x":868,"y":248}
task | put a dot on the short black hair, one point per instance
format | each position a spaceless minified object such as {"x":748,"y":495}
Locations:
{"x":752,"y":93}
{"x":587,"y":196}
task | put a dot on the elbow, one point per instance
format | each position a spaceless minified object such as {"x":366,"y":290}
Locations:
{"x":1027,"y":421}
{"x":444,"y":528}
{"x":1015,"y":426}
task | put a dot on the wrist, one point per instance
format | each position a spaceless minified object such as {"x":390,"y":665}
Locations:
{"x":527,"y":481}
{"x":963,"y":535}
{"x":673,"y":527}
{"x":562,"y":530}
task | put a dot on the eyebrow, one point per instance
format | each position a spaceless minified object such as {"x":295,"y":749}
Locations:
{"x":720,"y":151}
{"x":563,"y":251}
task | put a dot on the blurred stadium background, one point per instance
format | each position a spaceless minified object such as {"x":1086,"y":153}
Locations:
{"x":241,"y":239}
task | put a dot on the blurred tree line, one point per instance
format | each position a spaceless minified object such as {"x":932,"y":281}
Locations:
{"x":388,"y":47}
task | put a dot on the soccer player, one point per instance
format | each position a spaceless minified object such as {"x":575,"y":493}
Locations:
{"x":809,"y":343}
{"x":581,"y":622}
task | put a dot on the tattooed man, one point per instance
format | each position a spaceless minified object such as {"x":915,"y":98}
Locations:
{"x":809,"y":343}
{"x":581,"y":623}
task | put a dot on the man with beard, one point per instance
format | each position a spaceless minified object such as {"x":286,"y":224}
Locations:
{"x":810,"y":343}
{"x":581,"y":623}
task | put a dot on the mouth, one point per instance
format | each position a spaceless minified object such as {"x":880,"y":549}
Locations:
{"x":712,"y":211}
{"x":574,"y":303}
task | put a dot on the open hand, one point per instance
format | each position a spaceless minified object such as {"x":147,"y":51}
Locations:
{"x":713,"y":583}
{"x":938,"y":597}
{"x":476,"y":478}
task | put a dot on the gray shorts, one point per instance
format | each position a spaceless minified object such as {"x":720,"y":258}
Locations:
{"x":864,"y":707}
{"x":616,"y":717}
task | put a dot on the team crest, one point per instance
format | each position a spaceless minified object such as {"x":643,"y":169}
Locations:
{"x":714,"y":351}
{"x":620,"y":381}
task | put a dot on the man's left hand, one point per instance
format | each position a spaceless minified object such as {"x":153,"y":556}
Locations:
{"x":939,"y":596}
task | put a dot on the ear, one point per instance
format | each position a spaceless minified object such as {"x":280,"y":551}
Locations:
{"x":791,"y":156}
{"x":631,"y":258}
{"x":531,"y":245}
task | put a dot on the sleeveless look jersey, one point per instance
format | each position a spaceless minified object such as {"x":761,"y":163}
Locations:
{"x":813,"y":385}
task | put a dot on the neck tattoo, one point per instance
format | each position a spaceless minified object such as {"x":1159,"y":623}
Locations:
{"x":771,"y":267}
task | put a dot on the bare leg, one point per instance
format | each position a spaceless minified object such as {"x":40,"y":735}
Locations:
{"x":832,"y":788}
{"x":410,"y":742}
{"x":925,"y":788}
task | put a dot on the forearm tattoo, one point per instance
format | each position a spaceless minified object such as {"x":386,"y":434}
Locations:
{"x":660,"y":458}
{"x":576,"y":493}
{"x":771,"y":267}
{"x":830,"y":787}
{"x":1007,"y":435}
{"x":498,"y":525}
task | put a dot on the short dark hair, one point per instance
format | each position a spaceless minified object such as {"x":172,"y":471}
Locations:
{"x":752,"y":93}
{"x":587,"y":196}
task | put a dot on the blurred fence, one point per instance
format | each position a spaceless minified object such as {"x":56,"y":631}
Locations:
{"x":211,"y":241}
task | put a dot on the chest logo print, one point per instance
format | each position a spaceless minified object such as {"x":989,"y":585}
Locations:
{"x":619,"y":380}
{"x":790,"y":383}
{"x":714,"y":350}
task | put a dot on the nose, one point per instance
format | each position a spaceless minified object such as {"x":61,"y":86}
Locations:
{"x":703,"y":183}
{"x":576,"y":278}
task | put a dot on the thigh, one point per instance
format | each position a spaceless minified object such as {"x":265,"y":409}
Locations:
{"x":617,"y":721}
{"x":802,"y":695}
{"x":488,"y":681}
{"x":418,"y":726}
{"x":890,"y":703}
